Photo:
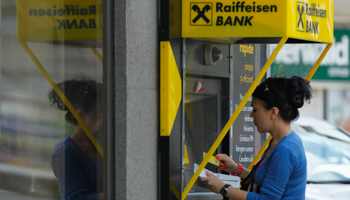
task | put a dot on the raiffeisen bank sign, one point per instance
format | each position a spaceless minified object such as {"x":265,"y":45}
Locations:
{"x":335,"y":66}
{"x":298,"y":19}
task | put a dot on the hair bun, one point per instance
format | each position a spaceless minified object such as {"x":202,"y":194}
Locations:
{"x":299,"y":90}
{"x":82,"y":94}
{"x":297,"y":100}
{"x":56,"y":99}
{"x":61,"y":105}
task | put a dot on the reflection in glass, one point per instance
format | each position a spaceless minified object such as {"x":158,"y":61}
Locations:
{"x":30,"y":128}
{"x":75,"y":161}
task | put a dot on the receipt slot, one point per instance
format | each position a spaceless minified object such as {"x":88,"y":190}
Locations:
{"x":213,"y":56}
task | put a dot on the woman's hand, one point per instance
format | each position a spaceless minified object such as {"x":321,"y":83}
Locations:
{"x":214,"y":183}
{"x":231,"y":166}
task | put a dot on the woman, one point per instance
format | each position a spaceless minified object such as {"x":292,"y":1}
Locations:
{"x":75,"y":161}
{"x":281,"y":173}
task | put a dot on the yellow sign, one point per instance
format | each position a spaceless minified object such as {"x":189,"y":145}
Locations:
{"x":170,"y":88}
{"x":300,"y":19}
{"x":42,"y":20}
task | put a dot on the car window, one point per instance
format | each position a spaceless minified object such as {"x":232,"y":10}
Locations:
{"x":328,"y":157}
{"x":329,"y":132}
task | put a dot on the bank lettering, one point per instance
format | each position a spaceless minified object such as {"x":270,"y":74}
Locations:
{"x":242,"y":7}
{"x":309,"y":16}
{"x":76,"y":24}
{"x":227,"y":14}
{"x":68,"y":10}
{"x":75,"y":11}
{"x":239,"y":7}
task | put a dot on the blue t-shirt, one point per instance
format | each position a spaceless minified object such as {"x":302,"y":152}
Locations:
{"x":283,"y":174}
{"x":78,"y":176}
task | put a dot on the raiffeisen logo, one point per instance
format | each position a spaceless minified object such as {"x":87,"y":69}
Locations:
{"x":309,"y":16}
{"x":235,"y":13}
{"x":201,"y":14}
{"x":300,"y":16}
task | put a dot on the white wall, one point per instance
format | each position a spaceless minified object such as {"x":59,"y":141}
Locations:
{"x":341,"y":12}
{"x":315,"y":108}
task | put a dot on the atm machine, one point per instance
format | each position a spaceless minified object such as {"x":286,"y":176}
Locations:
{"x":212,"y":87}
{"x":206,"y":104}
{"x":209,"y":98}
{"x":211,"y":62}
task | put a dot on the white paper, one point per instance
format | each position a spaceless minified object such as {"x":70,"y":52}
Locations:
{"x":234,"y":181}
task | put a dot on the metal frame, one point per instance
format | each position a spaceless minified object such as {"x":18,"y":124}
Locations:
{"x":109,"y":92}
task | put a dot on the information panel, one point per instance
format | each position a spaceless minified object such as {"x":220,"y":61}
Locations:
{"x":243,"y":129}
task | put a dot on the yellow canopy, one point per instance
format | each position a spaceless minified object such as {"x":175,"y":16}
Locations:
{"x":263,"y":21}
{"x":252,"y":21}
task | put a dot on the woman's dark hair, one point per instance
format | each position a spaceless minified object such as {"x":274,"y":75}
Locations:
{"x":287,"y":94}
{"x":82,"y":94}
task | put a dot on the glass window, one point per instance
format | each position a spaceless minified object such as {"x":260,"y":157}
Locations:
{"x":296,"y":59}
{"x":51,"y":99}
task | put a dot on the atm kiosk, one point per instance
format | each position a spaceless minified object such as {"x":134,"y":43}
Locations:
{"x":213,"y":54}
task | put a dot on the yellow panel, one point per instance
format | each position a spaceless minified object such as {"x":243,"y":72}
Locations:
{"x":42,"y":20}
{"x":170,"y":88}
{"x":311,"y":20}
{"x":187,"y":160}
{"x":264,"y":18}
{"x":219,"y":18}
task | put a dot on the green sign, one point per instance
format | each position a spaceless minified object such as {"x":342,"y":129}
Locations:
{"x":298,"y":59}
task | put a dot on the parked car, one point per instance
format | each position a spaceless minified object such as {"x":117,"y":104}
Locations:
{"x":327,"y":148}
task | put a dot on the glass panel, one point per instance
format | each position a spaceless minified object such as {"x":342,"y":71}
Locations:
{"x":296,"y":59}
{"x":45,"y":151}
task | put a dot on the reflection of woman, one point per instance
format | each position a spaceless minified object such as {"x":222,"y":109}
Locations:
{"x":75,"y":161}
{"x":281,"y":173}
